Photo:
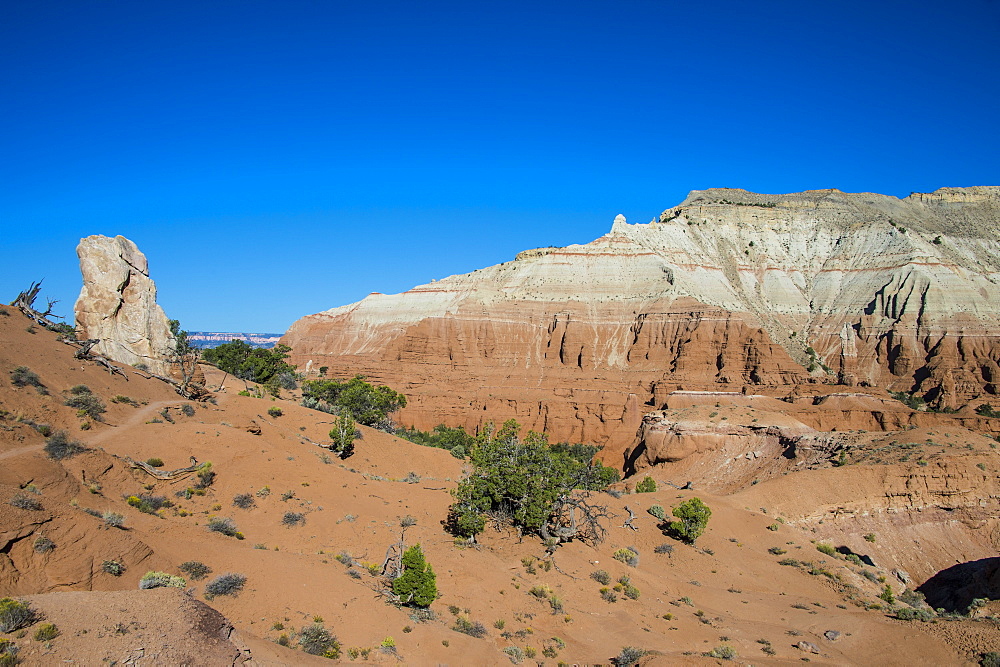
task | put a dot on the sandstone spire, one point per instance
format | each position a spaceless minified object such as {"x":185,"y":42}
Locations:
{"x":118,"y":304}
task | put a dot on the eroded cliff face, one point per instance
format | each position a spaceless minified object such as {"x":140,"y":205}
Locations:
{"x":727,"y":290}
{"x":118,"y":304}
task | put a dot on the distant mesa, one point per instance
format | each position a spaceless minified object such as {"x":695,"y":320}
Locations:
{"x":204,"y":339}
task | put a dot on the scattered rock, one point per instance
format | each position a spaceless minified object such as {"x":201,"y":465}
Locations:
{"x":832,"y":635}
{"x":903,"y":576}
{"x":808,"y":647}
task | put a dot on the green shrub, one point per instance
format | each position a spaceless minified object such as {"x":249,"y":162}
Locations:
{"x":628,"y":555}
{"x":524,"y":481}
{"x":155,"y":461}
{"x":22,"y":376}
{"x":230,"y":583}
{"x":317,"y":640}
{"x":43,"y":544}
{"x":195,"y":569}
{"x":826,"y":549}
{"x":990,"y":659}
{"x":274,"y":411}
{"x":225,"y":526}
{"x":25,"y":502}
{"x":113,"y":567}
{"x":870,"y":537}
{"x":85,"y":402}
{"x":986,"y":410}
{"x":206,"y":476}
{"x":629,"y":656}
{"x":471,"y":628}
{"x":658,"y":512}
{"x":46,"y":632}
{"x":722,"y":652}
{"x":58,"y":446}
{"x":911,"y":614}
{"x":343,"y":434}
{"x":187,"y":410}
{"x":15,"y":615}
{"x":601,"y":576}
{"x":693,"y":517}
{"x":417,"y":586}
{"x":250,"y":363}
{"x":244,"y":501}
{"x":113,"y":519}
{"x":161,"y":580}
{"x":647,"y":485}
{"x":357,"y":399}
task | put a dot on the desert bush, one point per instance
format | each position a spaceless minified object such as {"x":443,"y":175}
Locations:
{"x":22,"y":376}
{"x":206,"y":476}
{"x":187,"y":410}
{"x":223,"y":525}
{"x":113,"y":567}
{"x":230,"y":583}
{"x":471,"y":628}
{"x":986,"y":410}
{"x":46,"y":632}
{"x":274,"y":411}
{"x":628,"y":555}
{"x":85,"y":402}
{"x":119,"y":398}
{"x":148,"y":503}
{"x":776,"y":551}
{"x":249,"y":363}
{"x":601,"y":576}
{"x":195,"y":569}
{"x":293,"y":519}
{"x":722,"y":652}
{"x":826,"y":549}
{"x":629,"y":656}
{"x":990,"y":659}
{"x":911,"y":614}
{"x":155,"y":461}
{"x":417,"y":586}
{"x":664,"y":549}
{"x":8,"y":649}
{"x":244,"y":501}
{"x":317,"y":640}
{"x":693,"y":517}
{"x":345,"y":558}
{"x":364,"y":403}
{"x":407,"y":521}
{"x":647,"y":485}
{"x":161,"y":580}
{"x":43,"y":544}
{"x":58,"y":446}
{"x":113,"y":519}
{"x":658,"y":512}
{"x":25,"y":502}
{"x":15,"y":615}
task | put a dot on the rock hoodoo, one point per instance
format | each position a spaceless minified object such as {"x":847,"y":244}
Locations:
{"x":728,"y":290}
{"x":118,"y":304}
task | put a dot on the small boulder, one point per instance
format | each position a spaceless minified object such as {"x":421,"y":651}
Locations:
{"x":808,"y":647}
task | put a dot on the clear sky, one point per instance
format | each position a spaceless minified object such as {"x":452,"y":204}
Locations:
{"x":276,"y":159}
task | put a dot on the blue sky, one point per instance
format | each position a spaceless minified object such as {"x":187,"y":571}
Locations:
{"x":277,"y":159}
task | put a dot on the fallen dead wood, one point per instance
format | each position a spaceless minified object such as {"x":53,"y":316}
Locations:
{"x":164,"y":474}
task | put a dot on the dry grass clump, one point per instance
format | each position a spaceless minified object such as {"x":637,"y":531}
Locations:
{"x":230,"y":583}
{"x":58,"y":446}
{"x":195,"y":569}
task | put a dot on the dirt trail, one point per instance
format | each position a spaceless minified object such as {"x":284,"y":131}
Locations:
{"x":93,"y":439}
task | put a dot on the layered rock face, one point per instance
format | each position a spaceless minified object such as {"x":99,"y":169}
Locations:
{"x":726,"y":291}
{"x":118,"y":304}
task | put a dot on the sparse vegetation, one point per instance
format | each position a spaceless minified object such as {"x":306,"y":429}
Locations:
{"x":25,"y":502}
{"x":113,"y":567}
{"x":85,"y":402}
{"x":22,"y":376}
{"x":471,"y":628}
{"x":647,"y":485}
{"x":274,"y":411}
{"x":15,"y":614}
{"x":223,"y":525}
{"x":230,"y":583}
{"x":722,"y":652}
{"x":601,"y":576}
{"x":317,"y":640}
{"x":113,"y":519}
{"x":664,"y":549}
{"x":658,"y":512}
{"x":161,"y":580}
{"x":196,"y":570}
{"x":629,"y":656}
{"x":46,"y":632}
{"x":155,"y":461}
{"x":291,"y":519}
{"x":244,"y":501}
{"x":986,"y":410}
{"x":455,"y":440}
{"x":342,"y":435}
{"x":628,"y":555}
{"x":58,"y":446}
{"x":43,"y":544}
